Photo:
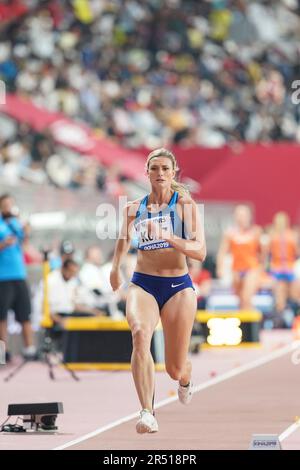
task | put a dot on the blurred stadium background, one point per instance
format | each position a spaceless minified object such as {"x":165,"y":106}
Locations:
{"x":93,"y":85}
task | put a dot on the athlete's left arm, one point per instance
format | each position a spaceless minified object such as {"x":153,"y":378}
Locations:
{"x":195,"y":246}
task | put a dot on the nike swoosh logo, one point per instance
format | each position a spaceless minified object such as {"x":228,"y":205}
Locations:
{"x":176,"y":285}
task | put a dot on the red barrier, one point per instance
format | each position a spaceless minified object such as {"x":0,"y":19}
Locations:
{"x":264,"y":175}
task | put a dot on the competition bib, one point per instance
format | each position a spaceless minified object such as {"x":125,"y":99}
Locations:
{"x":146,"y":242}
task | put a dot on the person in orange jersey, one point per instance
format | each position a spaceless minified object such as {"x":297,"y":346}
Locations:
{"x":282,"y":250}
{"x":242,"y":241}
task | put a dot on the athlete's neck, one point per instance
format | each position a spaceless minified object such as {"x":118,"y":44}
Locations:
{"x":160,"y":197}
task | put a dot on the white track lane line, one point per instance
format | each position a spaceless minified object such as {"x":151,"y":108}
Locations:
{"x":227,"y":375}
{"x":292,"y":428}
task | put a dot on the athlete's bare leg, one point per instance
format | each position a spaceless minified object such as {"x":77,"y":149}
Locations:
{"x":142,"y":314}
{"x":237,"y":284}
{"x":250,"y":286}
{"x":281,"y":295}
{"x":177,"y":317}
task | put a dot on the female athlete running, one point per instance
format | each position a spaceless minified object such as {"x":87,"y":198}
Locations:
{"x":168,"y":227}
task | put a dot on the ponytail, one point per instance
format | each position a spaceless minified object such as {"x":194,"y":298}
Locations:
{"x":180,"y":188}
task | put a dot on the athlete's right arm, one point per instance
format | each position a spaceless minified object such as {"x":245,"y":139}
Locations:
{"x":122,"y":245}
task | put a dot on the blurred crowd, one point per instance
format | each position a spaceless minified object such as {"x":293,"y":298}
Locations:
{"x":158,"y":72}
{"x":34,"y":157}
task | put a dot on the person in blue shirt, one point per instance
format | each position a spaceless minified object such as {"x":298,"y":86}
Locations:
{"x":14,"y":292}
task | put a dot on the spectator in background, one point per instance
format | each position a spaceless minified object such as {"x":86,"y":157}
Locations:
{"x":90,"y":273}
{"x":94,"y":278}
{"x":66,"y":251}
{"x":283,"y":250}
{"x":243,"y":243}
{"x":63,"y":294}
{"x":14,"y":292}
{"x":122,"y":66}
{"x":114,"y":186}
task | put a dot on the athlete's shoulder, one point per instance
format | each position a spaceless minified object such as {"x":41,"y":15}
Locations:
{"x":131,"y":207}
{"x":136,"y":202}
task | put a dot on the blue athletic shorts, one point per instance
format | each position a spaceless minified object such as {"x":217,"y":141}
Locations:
{"x":285,"y":276}
{"x":162,"y":288}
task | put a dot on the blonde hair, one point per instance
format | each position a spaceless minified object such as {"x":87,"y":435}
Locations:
{"x":162,"y":152}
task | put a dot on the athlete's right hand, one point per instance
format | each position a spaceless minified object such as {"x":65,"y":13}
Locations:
{"x":115,"y":279}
